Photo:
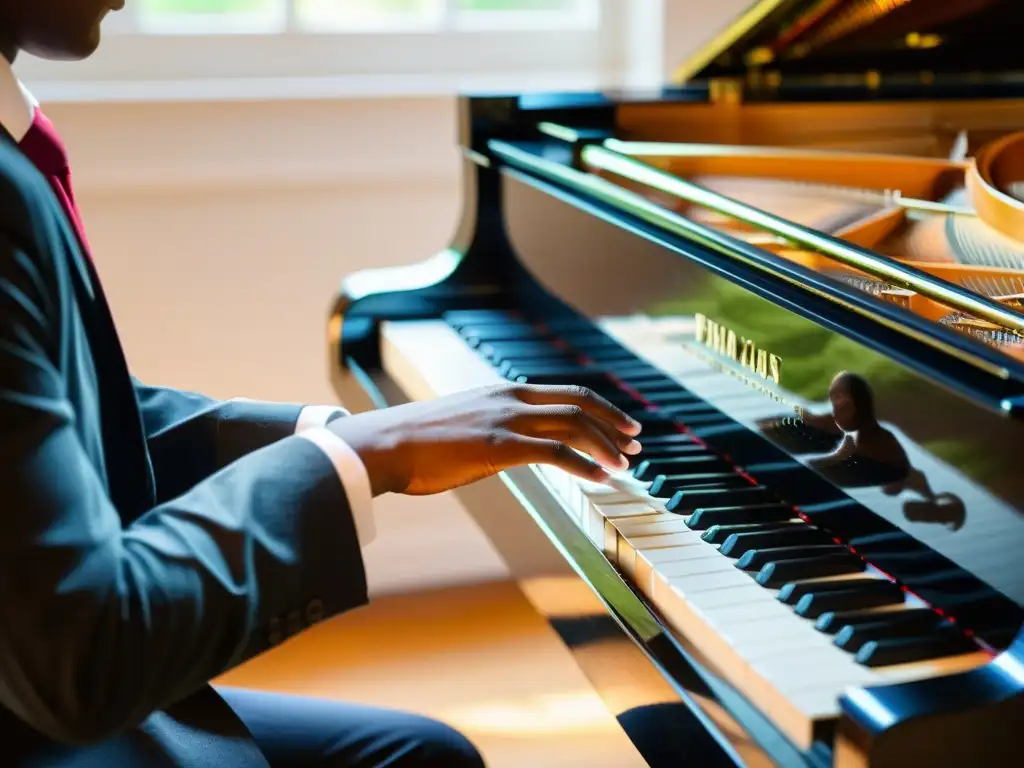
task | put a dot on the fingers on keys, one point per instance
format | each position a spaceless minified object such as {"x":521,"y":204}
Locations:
{"x":561,"y":423}
{"x":583,"y":398}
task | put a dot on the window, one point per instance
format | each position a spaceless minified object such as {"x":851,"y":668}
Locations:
{"x":319,"y":16}
{"x":257,"y":48}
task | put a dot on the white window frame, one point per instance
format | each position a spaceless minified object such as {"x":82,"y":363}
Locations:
{"x":530,"y":54}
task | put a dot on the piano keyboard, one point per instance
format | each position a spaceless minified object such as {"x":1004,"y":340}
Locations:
{"x":787,"y":614}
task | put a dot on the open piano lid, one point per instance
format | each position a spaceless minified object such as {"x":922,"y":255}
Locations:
{"x":819,"y":39}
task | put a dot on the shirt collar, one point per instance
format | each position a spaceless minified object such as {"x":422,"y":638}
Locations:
{"x":17,"y":106}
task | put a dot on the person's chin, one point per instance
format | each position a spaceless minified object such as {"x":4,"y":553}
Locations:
{"x":73,"y":49}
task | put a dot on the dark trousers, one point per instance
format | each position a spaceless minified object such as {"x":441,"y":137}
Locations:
{"x":284,"y":731}
{"x":296,"y":731}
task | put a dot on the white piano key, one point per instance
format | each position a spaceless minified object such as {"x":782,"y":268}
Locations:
{"x":651,"y":525}
{"x":645,"y":562}
{"x":741,"y":596}
{"x":692,"y":584}
{"x":713,"y":563}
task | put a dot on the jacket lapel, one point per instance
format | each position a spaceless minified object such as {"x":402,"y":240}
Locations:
{"x":126,"y":461}
{"x":129,"y":470}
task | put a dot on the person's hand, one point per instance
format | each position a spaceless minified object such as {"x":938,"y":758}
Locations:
{"x":436,"y":445}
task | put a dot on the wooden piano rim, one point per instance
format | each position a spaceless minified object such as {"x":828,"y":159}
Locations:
{"x":997,"y":164}
{"x":803,"y":124}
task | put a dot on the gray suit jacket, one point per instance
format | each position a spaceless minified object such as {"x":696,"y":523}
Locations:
{"x":151,"y":539}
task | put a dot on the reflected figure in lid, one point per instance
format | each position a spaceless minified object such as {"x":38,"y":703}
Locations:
{"x":868,"y":454}
{"x":803,"y":433}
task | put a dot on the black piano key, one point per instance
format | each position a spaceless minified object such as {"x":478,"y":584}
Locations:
{"x":806,"y":535}
{"x":666,"y":442}
{"x":476,"y":335}
{"x":915,"y":562}
{"x":461,"y":317}
{"x":889,"y":541}
{"x":777,"y":573}
{"x":499,"y":352}
{"x":791,"y":594}
{"x":816,"y":602}
{"x":798,"y":485}
{"x":723,"y":480}
{"x":686,"y":501}
{"x":984,"y":607}
{"x":845,"y":514}
{"x":611,"y":358}
{"x":512,"y":369}
{"x":687,"y":459}
{"x":998,"y":637}
{"x":653,"y":385}
{"x":854,"y":637}
{"x":655,"y":424}
{"x":671,"y":398}
{"x":642,"y":377}
{"x":621,"y":400}
{"x":665,"y":447}
{"x":831,"y":622}
{"x":734,"y":439}
{"x":704,"y":418}
{"x":578,"y":375}
{"x":717,"y":534}
{"x":688,"y":410}
{"x":555,"y":367}
{"x":755,"y":559}
{"x":572,"y":326}
{"x":904,"y":650}
{"x":698,"y":462}
{"x":705,"y":517}
{"x":585,"y":340}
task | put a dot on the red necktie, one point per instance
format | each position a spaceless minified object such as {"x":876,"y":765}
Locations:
{"x":43,"y":146}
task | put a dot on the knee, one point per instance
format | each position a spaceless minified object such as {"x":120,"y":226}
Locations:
{"x":441,"y":745}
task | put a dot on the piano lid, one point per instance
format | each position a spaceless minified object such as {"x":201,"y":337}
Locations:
{"x":827,"y":39}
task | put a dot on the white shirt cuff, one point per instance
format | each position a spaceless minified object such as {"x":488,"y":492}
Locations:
{"x":313,"y":416}
{"x":354,"y":478}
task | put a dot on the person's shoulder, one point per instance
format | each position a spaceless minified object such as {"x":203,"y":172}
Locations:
{"x":19,"y":179}
{"x":26,"y":207}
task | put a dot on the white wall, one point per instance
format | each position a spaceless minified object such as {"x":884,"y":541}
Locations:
{"x":223,"y":230}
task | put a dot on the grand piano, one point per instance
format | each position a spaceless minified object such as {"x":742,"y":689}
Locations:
{"x":802,"y":269}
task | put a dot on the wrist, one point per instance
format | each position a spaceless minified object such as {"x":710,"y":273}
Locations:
{"x":371,"y":446}
{"x":383,"y":479}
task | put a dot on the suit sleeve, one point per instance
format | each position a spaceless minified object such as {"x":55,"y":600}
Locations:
{"x":191,"y":436}
{"x":106,"y":624}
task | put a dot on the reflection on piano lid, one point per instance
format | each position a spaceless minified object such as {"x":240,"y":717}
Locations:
{"x":801,"y":270}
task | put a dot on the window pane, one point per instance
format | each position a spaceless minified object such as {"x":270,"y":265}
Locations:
{"x":516,"y":5}
{"x":328,"y":15}
{"x":525,"y":14}
{"x":212,"y":15}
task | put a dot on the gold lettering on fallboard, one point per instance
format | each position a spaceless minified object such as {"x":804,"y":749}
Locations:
{"x":744,"y":352}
